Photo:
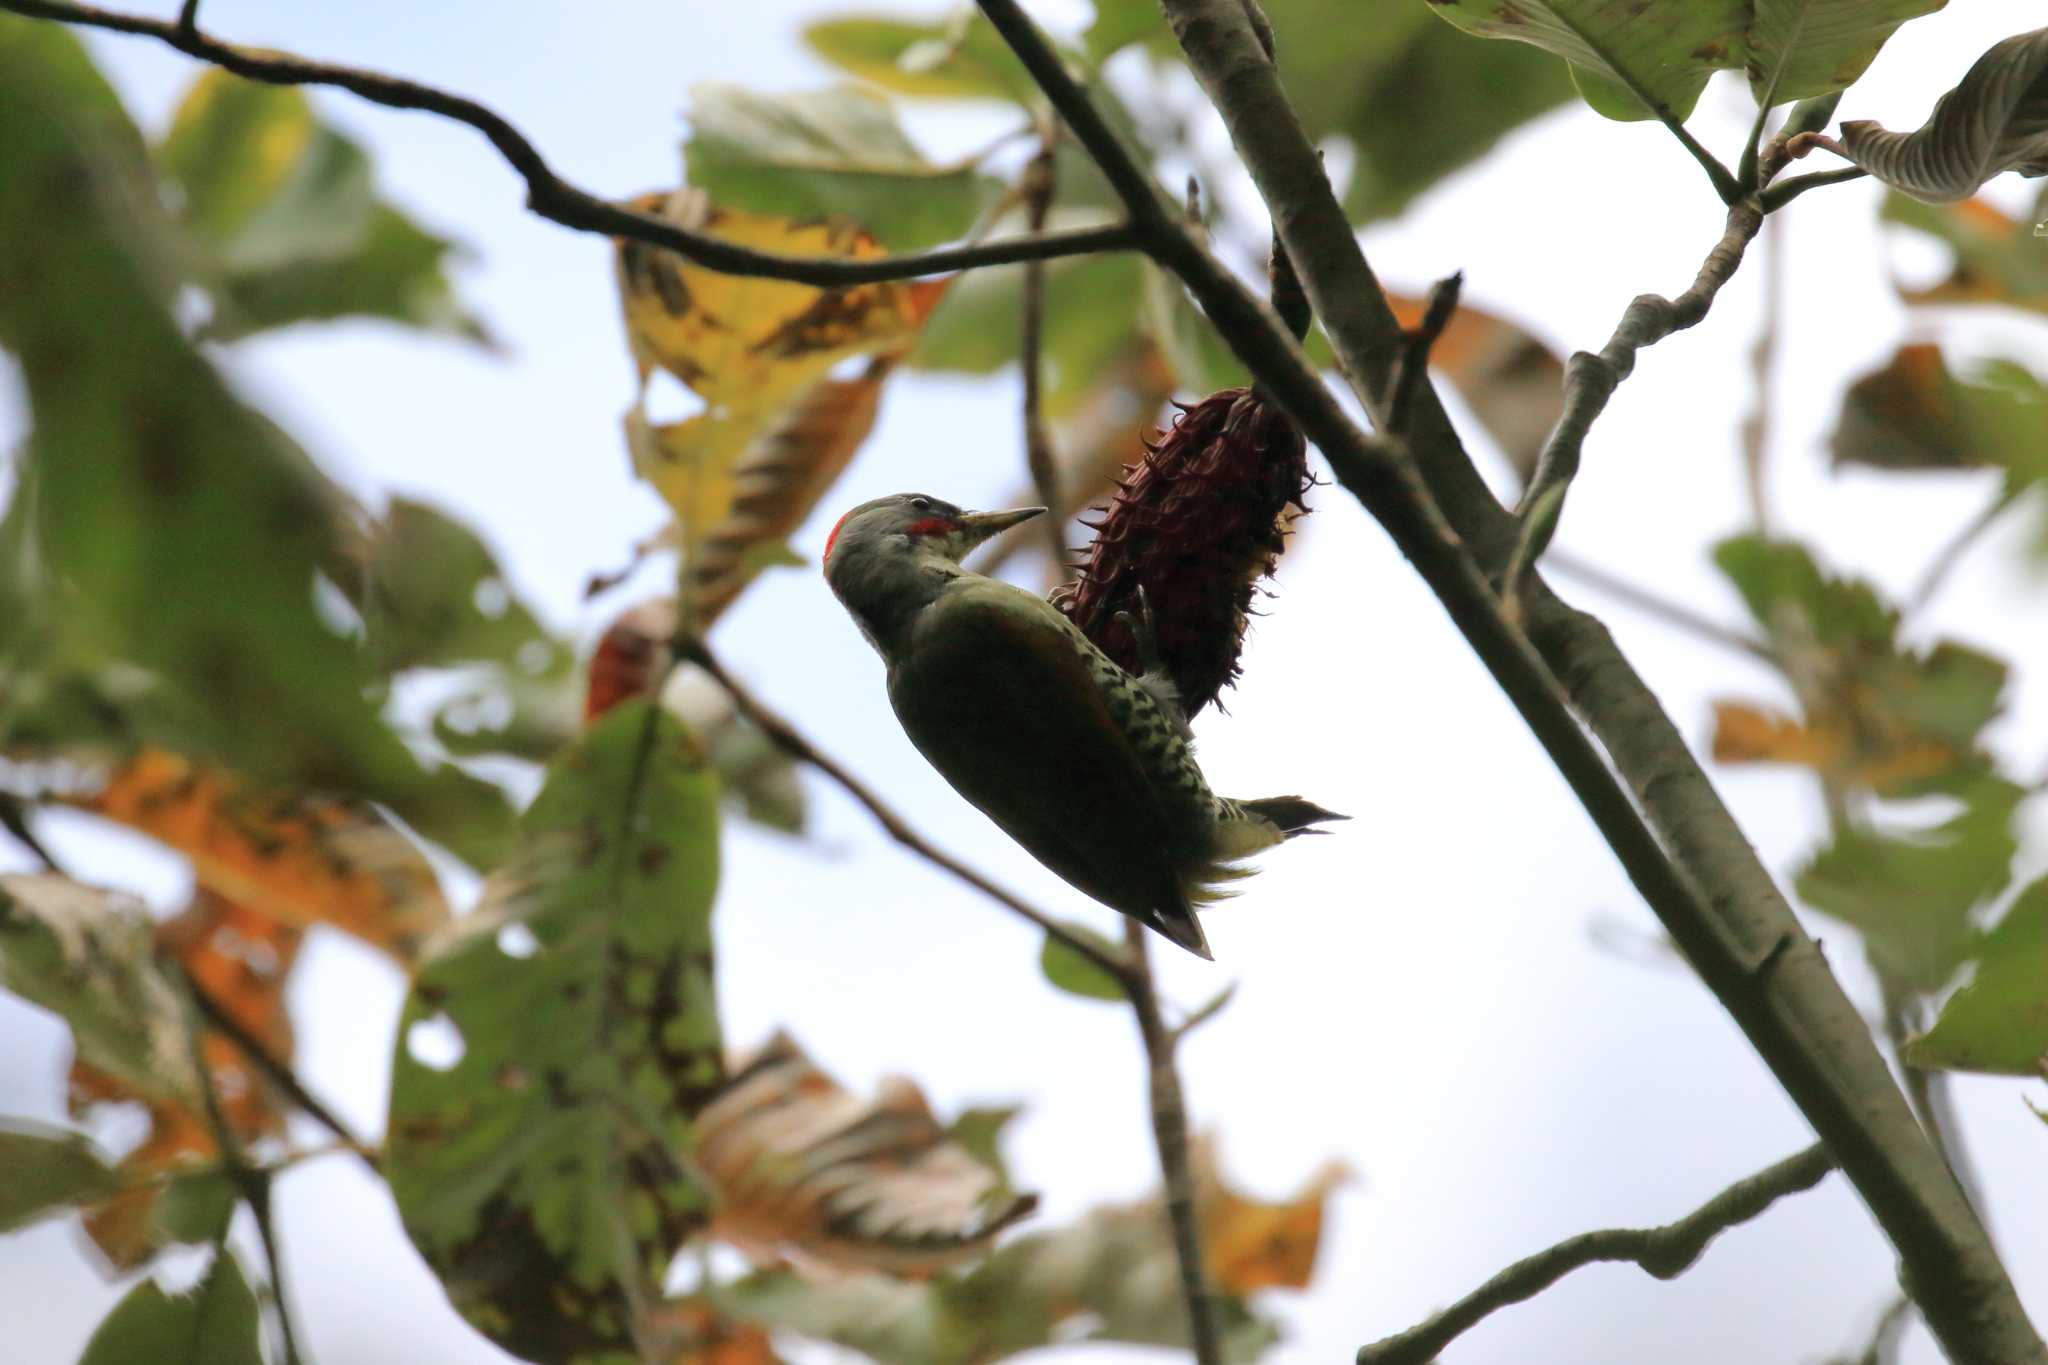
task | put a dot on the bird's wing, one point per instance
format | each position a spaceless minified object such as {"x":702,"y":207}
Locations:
{"x":999,"y":700}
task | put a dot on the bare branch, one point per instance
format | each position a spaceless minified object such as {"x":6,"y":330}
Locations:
{"x":1590,"y":380}
{"x":1935,"y":575}
{"x":1763,"y":356}
{"x":1170,"y":1135}
{"x":555,"y":199}
{"x":1664,"y":1252}
{"x":1661,"y":608}
{"x":219,"y":1018}
{"x":785,"y":737}
{"x":1413,"y":367}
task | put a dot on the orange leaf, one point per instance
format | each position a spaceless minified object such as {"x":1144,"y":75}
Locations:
{"x":1251,"y":1244}
{"x":296,"y":857}
{"x":1746,"y":734}
{"x":690,"y":1332}
{"x":801,"y":1167}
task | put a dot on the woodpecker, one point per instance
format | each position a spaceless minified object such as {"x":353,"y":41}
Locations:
{"x":1087,"y":766}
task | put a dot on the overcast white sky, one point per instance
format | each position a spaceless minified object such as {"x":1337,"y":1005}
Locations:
{"x":1420,"y":994}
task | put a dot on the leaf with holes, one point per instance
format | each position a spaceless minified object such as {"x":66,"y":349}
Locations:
{"x":555,"y":1044}
{"x":825,"y":153}
{"x":288,"y":212}
{"x":1998,"y":1022}
{"x":188,"y":532}
{"x":1801,"y":48}
{"x":800,"y":1168}
{"x":214,"y":1324}
{"x":1997,"y":259}
{"x":431,"y":593}
{"x":1630,"y":59}
{"x":1995,"y":121}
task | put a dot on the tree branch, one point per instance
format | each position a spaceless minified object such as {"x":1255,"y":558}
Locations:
{"x":1170,"y":1135}
{"x":1664,"y":1252}
{"x":1040,"y":182}
{"x":785,"y":737}
{"x":1671,"y":613}
{"x":220,"y":1019}
{"x":1722,"y":909}
{"x":1590,"y":380}
{"x":555,"y":199}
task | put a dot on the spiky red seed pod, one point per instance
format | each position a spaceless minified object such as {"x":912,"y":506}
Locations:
{"x":1196,"y":523}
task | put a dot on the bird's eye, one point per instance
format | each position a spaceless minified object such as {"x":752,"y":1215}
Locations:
{"x":920,"y":504}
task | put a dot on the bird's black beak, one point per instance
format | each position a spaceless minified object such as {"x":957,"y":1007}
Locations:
{"x":979,"y":526}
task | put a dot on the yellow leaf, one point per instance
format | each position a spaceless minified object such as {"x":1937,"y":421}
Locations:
{"x":298,"y":858}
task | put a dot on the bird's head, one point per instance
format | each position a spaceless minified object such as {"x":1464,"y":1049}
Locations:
{"x":893,"y":554}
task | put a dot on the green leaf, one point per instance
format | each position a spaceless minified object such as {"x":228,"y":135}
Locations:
{"x":187,"y":528}
{"x":433,"y":594}
{"x":48,"y":1169}
{"x":1092,"y":309}
{"x":1795,"y":603}
{"x":822,"y":153}
{"x":88,"y":956}
{"x":555,"y":1044}
{"x":287,"y":211}
{"x":1917,"y":414}
{"x":1399,"y":155}
{"x":215,"y":1324}
{"x":1801,"y":48}
{"x":1996,"y":120}
{"x":1998,"y":259}
{"x":1630,"y":58}
{"x":1075,"y":974}
{"x":1999,"y":1021}
{"x":962,"y":57}
{"x":1912,"y":896}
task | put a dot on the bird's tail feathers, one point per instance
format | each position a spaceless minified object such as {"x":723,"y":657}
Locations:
{"x":1291,"y":815}
{"x":1179,"y":924}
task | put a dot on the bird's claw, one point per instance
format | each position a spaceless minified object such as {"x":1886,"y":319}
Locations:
{"x":1144,"y":634}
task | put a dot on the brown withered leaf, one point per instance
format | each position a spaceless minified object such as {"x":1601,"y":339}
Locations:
{"x":294,"y":856}
{"x":800,"y":1168}
{"x":1513,"y":383}
{"x":1998,"y":258}
{"x":241,"y":959}
{"x":693,"y":1332}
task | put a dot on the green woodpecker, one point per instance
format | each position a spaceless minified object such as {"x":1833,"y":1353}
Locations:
{"x":1088,"y":767}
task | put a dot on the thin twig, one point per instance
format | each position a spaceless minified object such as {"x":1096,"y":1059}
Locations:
{"x":1203,"y":1013}
{"x":14,"y":819}
{"x":553,"y":198}
{"x":1664,"y":1252}
{"x":188,"y":17}
{"x":222,"y":1020}
{"x":1935,"y":575}
{"x":252,"y":1181}
{"x":786,"y":738}
{"x":1763,"y":358}
{"x":1886,"y":1332}
{"x":1040,"y":184}
{"x":1590,"y":380}
{"x":1671,"y":613}
{"x":1785,"y":191}
{"x":1412,"y":370}
{"x":1170,"y":1134}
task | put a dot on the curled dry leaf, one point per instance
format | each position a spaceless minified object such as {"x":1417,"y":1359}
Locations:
{"x":1996,"y":120}
{"x":776,"y":429}
{"x":1513,"y":383}
{"x":299,"y":858}
{"x":802,"y":1168}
